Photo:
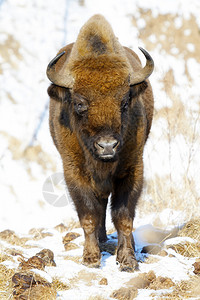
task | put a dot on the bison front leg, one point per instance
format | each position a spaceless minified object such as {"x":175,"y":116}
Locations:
{"x":90,"y":212}
{"x":125,"y":250}
{"x":124,"y":201}
{"x":91,"y":252}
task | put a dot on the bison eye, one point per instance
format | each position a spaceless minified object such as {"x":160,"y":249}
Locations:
{"x":125,"y":105}
{"x":125,"y":102}
{"x":80,"y":105}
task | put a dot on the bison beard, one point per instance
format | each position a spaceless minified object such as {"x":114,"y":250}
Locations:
{"x":101,"y":111}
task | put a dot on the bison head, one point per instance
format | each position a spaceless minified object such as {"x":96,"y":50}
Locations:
{"x":97,"y":84}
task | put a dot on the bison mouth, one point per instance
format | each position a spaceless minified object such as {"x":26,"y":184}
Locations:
{"x":106,"y":148}
{"x":103,"y":146}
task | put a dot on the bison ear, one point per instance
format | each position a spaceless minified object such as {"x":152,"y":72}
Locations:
{"x":59,"y":93}
{"x":138,"y":89}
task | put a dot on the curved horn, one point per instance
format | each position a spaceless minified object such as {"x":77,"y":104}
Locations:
{"x":60,"y":75}
{"x":140,"y":76}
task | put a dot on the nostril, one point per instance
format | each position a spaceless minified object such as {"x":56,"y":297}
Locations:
{"x":98,"y":145}
{"x":115,"y":144}
{"x":111,"y":144}
{"x":101,"y":145}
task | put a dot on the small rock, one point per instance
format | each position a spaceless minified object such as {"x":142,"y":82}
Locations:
{"x":196,"y":268}
{"x":103,"y":281}
{"x":70,"y":236}
{"x":151,"y":249}
{"x":34,"y":262}
{"x":163,"y":253}
{"x":172,"y":255}
{"x":125,"y":294}
{"x":151,"y":276}
{"x":139,"y":282}
{"x":28,"y":286}
{"x":47,"y":256}
{"x":23,"y":280}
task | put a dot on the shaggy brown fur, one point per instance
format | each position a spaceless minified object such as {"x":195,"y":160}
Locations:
{"x":101,"y":107}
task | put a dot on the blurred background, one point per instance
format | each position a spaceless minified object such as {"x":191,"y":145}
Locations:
{"x":31,"y":33}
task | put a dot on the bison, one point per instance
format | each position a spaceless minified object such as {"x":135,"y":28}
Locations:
{"x":101,"y":107}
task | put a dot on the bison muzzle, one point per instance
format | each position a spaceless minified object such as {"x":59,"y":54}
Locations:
{"x":101,"y":111}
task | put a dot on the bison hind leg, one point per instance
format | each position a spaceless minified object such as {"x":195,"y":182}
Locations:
{"x":102,"y":237}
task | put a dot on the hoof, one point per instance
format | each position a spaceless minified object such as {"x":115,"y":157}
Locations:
{"x":127,"y":260}
{"x":92,"y":260}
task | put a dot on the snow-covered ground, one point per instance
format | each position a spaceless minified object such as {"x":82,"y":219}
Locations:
{"x":31,"y":32}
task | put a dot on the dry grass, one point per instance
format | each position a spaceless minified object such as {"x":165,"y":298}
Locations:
{"x":178,"y":188}
{"x":10,"y":237}
{"x":164,"y":26}
{"x":187,"y":249}
{"x":4,"y":257}
{"x":71,"y":225}
{"x":77,"y":259}
{"x":38,"y":233}
{"x":191,"y":229}
{"x":186,"y":289}
{"x":59,"y":285}
{"x":178,"y":119}
{"x":5,"y":282}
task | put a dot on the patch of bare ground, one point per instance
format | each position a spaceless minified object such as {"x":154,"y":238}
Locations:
{"x":142,"y":281}
{"x":84,"y":276}
{"x":77,"y":259}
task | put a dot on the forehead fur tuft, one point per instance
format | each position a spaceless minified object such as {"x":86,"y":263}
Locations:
{"x":96,"y":38}
{"x":97,"y":58}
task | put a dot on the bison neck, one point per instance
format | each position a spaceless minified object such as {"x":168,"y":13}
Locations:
{"x":101,"y":176}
